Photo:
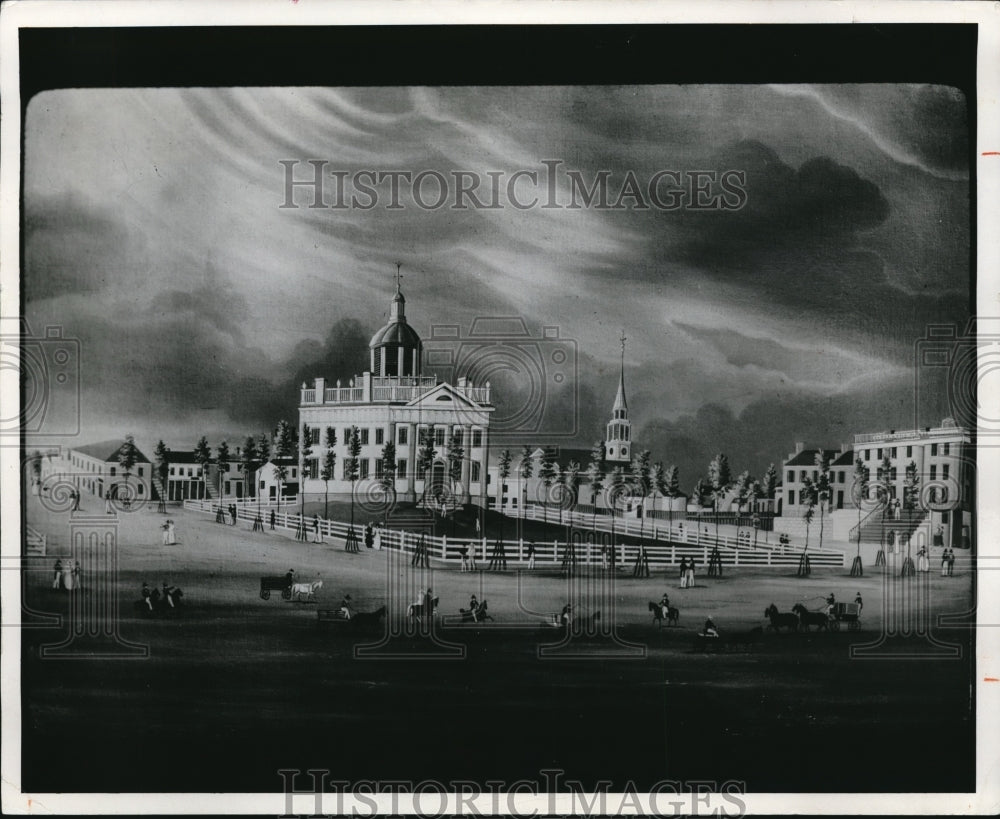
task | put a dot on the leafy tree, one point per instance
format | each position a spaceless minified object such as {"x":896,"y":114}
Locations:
{"x":222,"y":462}
{"x":823,"y":488}
{"x":547,"y":473}
{"x":525,"y":470}
{"x":770,"y":483}
{"x":203,"y":457}
{"x":388,"y":477}
{"x":885,"y":478}
{"x":352,"y":464}
{"x":127,"y":457}
{"x":808,"y":499}
{"x":595,"y":474}
{"x":642,"y":482}
{"x":673,"y":489}
{"x":615,"y":484}
{"x":911,"y":487}
{"x":162,"y":466}
{"x":248,"y":459}
{"x":329,"y":466}
{"x":304,"y":452}
{"x":280,"y":475}
{"x":721,"y":479}
{"x":503,"y":472}
{"x":658,"y":482}
{"x":263,"y":448}
{"x":285,"y":440}
{"x":456,"y":454}
{"x":425,"y":457}
{"x":571,"y":478}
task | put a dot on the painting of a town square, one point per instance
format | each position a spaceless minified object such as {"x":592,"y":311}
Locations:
{"x":568,"y":433}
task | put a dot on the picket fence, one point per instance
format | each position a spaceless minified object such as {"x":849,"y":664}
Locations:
{"x":587,"y":546}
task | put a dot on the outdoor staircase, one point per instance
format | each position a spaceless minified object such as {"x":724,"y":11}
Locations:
{"x":34,"y":542}
{"x":875,"y":527}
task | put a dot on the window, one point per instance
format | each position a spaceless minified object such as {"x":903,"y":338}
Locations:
{"x":475,"y":471}
{"x":140,"y":471}
{"x":401,"y":468}
{"x":933,"y":471}
{"x":880,"y":453}
{"x":944,"y":471}
{"x":402,"y":435}
{"x":802,"y":475}
{"x":112,"y":470}
{"x":313,"y":468}
{"x":379,"y":435}
{"x":190,"y":472}
{"x":314,"y":435}
{"x":477,"y":438}
{"x":439,"y":436}
{"x":946,"y":449}
{"x":262,"y":484}
{"x":791,"y":476}
{"x":513,"y":502}
{"x":893,"y":452}
{"x":909,"y":452}
{"x":295,"y":470}
{"x":459,"y":435}
{"x":172,"y":470}
{"x":363,"y":463}
{"x":933,"y":449}
{"x":347,"y":435}
{"x":868,"y":454}
{"x":228,"y":489}
{"x":944,"y":518}
{"x":364,"y":437}
{"x":791,"y":497}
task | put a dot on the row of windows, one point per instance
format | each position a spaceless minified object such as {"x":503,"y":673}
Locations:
{"x":402,"y":436}
{"x":90,"y":466}
{"x":619,"y":432}
{"x":312,"y":469}
{"x":893,"y":452}
{"x":836,"y":476}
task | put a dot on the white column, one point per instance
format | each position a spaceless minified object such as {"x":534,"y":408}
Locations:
{"x":411,"y":463}
{"x":466,"y":461}
{"x":400,"y":353}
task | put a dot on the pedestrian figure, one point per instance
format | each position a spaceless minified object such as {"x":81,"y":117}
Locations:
{"x":57,"y":580}
{"x":77,"y":574}
{"x":166,"y":532}
{"x":369,"y":537}
{"x":147,"y":595}
{"x":923,"y":564}
{"x":951,"y":561}
{"x":478,"y":526}
{"x":604,"y":556}
{"x":684,"y":572}
{"x":378,"y":539}
{"x":345,"y":607}
{"x":944,"y":562}
{"x":107,"y":502}
{"x":860,"y":602}
{"x":709,"y":630}
{"x":168,"y":593}
{"x":665,"y":606}
{"x":171,"y":534}
{"x":531,"y":555}
{"x":474,"y":608}
{"x":831,"y":601}
{"x":690,"y":573}
{"x":463,"y":550}
{"x":316,"y":533}
{"x":258,"y":523}
{"x":428,"y":604}
{"x":272,"y":519}
{"x":566,"y":615}
{"x":232,"y":512}
{"x":76,"y":501}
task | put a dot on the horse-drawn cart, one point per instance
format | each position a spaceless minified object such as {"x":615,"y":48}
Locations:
{"x":849,"y":613}
{"x":278,"y":583}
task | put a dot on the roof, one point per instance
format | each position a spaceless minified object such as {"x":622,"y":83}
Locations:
{"x":107,"y":451}
{"x":396,"y":332}
{"x":620,"y":397}
{"x":807,"y":457}
{"x":844,"y":459}
{"x":184,"y":457}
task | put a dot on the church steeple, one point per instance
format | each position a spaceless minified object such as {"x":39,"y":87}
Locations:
{"x":619,"y":432}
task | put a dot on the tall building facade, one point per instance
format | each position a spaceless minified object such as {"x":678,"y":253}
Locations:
{"x":394,"y":401}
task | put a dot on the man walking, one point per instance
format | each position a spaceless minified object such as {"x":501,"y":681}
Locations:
{"x":272,"y":519}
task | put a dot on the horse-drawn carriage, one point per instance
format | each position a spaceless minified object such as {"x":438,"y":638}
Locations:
{"x":282,"y":583}
{"x":849,"y":613}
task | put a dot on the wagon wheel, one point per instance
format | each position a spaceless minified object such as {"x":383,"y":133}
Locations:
{"x":265,"y":594}
{"x":855,"y":625}
{"x":286,"y":594}
{"x":834,"y":624}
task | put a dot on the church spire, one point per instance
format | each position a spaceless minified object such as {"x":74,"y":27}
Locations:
{"x":397,"y":312}
{"x":619,"y":433}
{"x":620,"y":403}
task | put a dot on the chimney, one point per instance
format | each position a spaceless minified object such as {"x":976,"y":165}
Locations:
{"x":844,"y":448}
{"x":799,"y":446}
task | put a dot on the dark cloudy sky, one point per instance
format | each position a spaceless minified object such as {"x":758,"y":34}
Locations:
{"x":153,"y":233}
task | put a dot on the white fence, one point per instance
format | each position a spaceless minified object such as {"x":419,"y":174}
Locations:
{"x":546,"y":553}
{"x":683,"y":533}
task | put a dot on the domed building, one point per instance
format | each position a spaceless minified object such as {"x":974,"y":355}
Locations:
{"x":394,"y":401}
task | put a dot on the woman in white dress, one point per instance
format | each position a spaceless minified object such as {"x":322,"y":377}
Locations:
{"x":68,"y":579}
{"x":166,"y":532}
{"x":171,"y":534}
{"x":923,"y":564}
{"x":377,"y":542}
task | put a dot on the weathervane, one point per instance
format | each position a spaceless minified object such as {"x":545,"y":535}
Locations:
{"x":623,"y":339}
{"x":399,"y":275}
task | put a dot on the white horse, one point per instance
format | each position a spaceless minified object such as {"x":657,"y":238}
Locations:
{"x":308,"y":590}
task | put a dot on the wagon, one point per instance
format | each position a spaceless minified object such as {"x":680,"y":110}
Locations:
{"x":330,"y":616}
{"x":278,"y":583}
{"x":849,"y":613}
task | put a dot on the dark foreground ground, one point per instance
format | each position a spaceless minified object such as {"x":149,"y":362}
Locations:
{"x":238,"y":688}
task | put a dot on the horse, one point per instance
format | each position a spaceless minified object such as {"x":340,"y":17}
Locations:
{"x":417,"y":609}
{"x":477,"y":616}
{"x":781,"y":620}
{"x":367,"y":618}
{"x":160,"y":603}
{"x":672,"y":618}
{"x":811,"y":618}
{"x":300,"y":590}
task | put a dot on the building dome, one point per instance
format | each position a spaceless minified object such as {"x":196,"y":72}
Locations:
{"x":396,"y":348}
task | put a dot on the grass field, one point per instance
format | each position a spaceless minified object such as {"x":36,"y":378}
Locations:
{"x":238,"y":687}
